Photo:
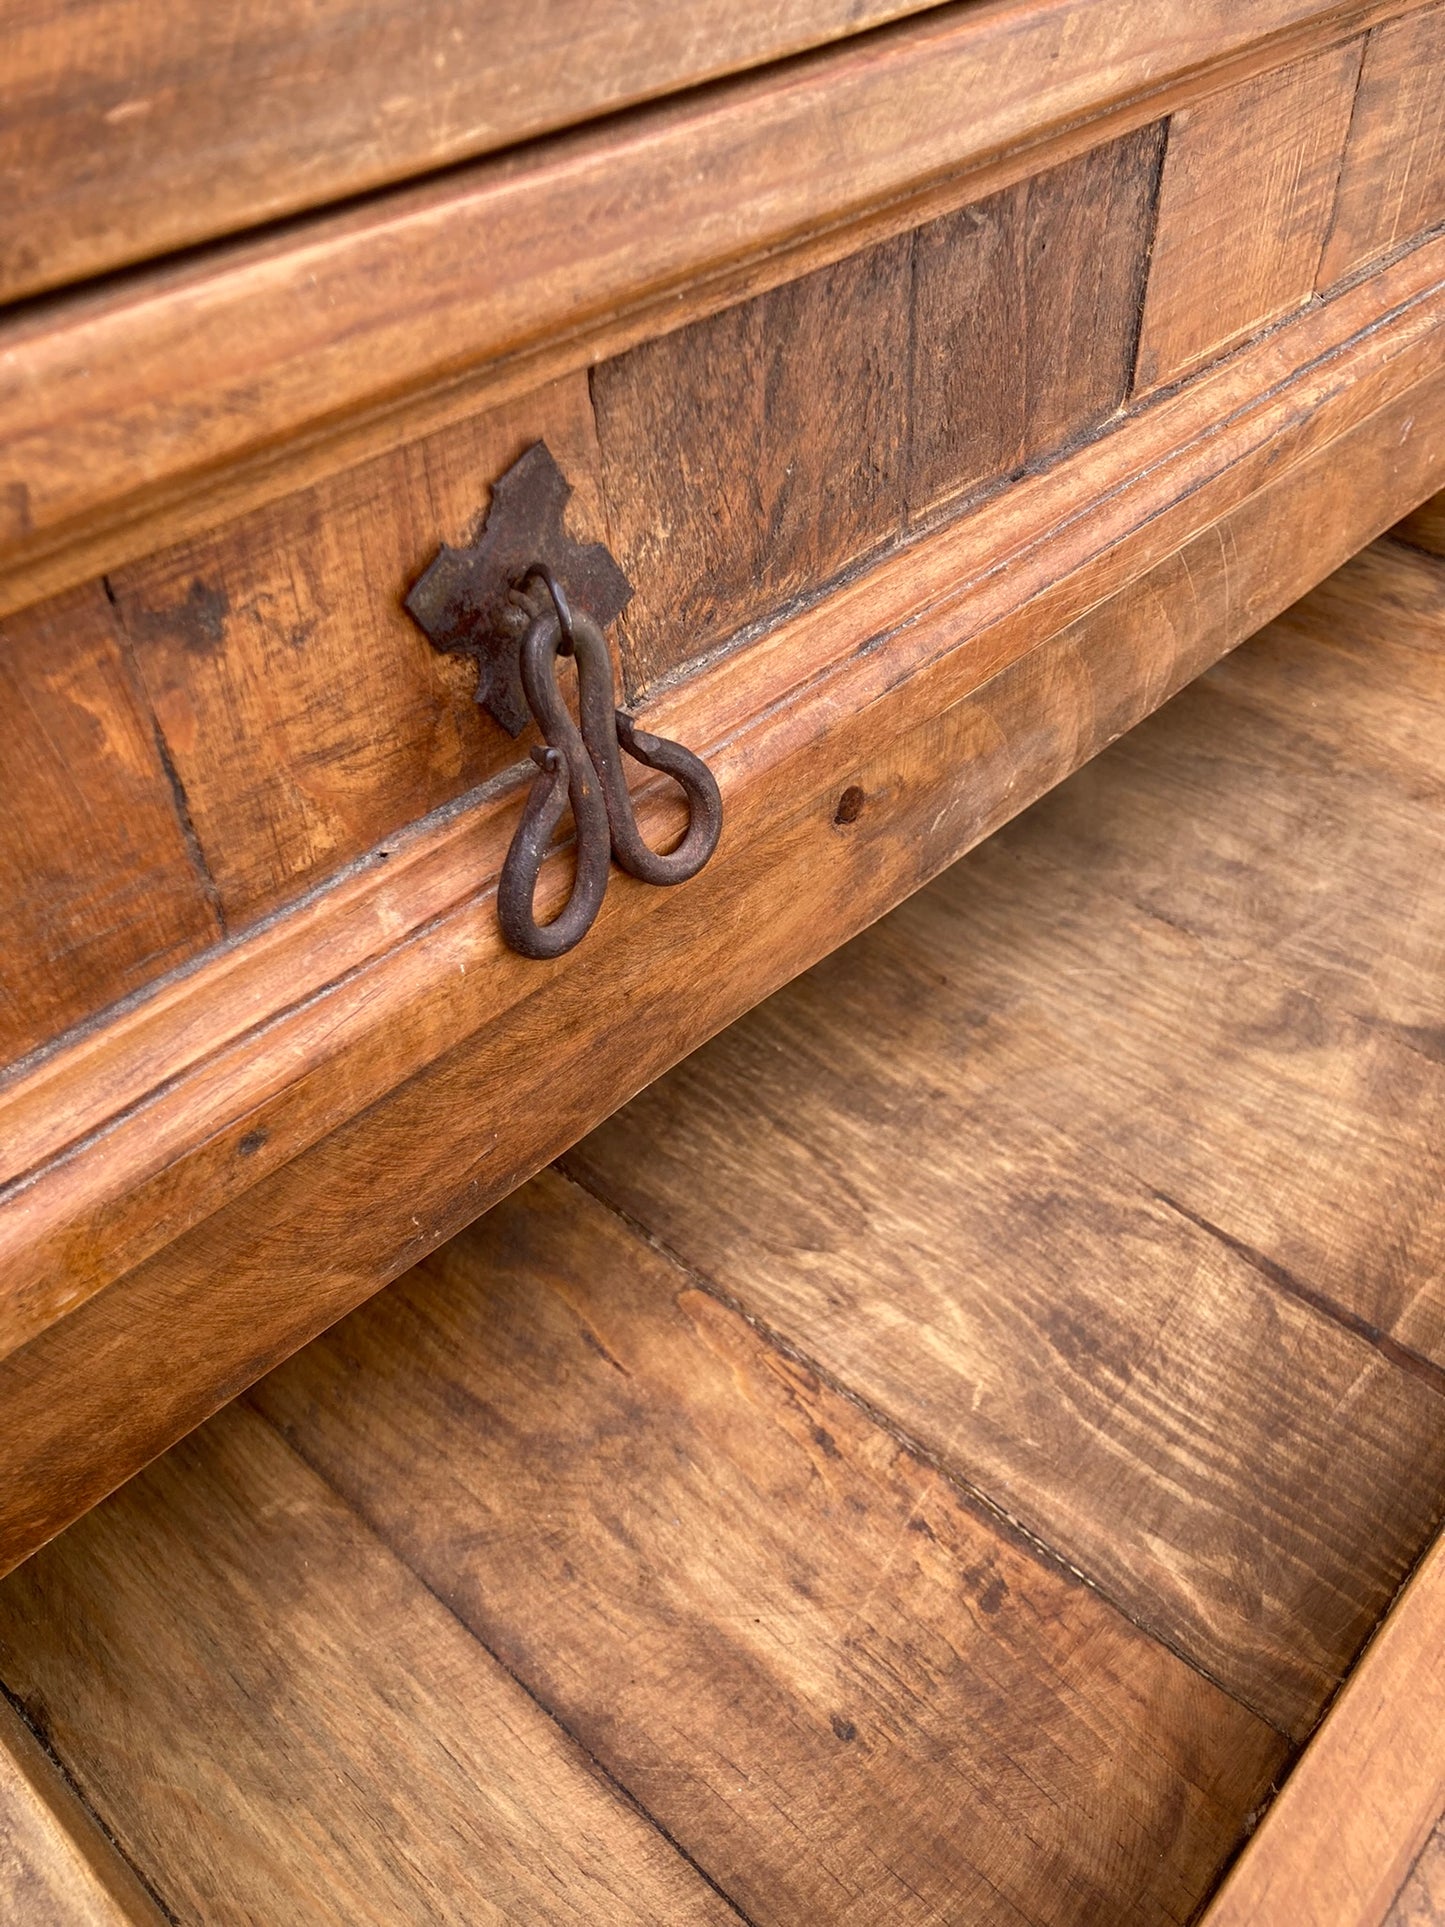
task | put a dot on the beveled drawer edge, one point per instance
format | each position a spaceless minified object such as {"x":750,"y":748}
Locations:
{"x":140,"y":1128}
{"x":132,"y":416}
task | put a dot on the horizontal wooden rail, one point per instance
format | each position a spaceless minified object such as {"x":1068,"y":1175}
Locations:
{"x":135,"y":413}
{"x":271,"y":1137}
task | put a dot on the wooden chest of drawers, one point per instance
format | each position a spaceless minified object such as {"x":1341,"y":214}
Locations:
{"x":951,"y":389}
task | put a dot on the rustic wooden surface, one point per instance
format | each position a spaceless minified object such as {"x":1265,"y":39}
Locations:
{"x":1025,"y":317}
{"x":306,"y":716}
{"x":1425,"y":527}
{"x":146,"y":408}
{"x":751,"y":457}
{"x":1357,"y":1837}
{"x":101,"y":892}
{"x":1349,"y":445}
{"x":1244,"y":206}
{"x":1392,"y":182}
{"x":963,"y":603}
{"x":127,"y":129}
{"x":1038,"y":1200}
{"x":57,"y":1869}
{"x":292,"y":1728}
{"x":838,"y":1685}
{"x":856,"y":1488}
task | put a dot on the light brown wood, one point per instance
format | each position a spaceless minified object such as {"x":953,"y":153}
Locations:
{"x":1244,"y":205}
{"x":57,"y":1869}
{"x":140,"y":411}
{"x":846,"y":1691}
{"x":179,"y":1111}
{"x":285,"y":1258}
{"x":281,"y":1724}
{"x":101,"y":890}
{"x":1353,"y":1840}
{"x":129,"y":129}
{"x":1392,"y":183}
{"x":306,"y":716}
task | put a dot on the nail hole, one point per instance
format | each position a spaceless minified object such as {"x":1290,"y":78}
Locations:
{"x":850,"y":805}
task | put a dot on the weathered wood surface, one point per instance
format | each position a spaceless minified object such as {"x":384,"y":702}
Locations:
{"x":127,"y":129}
{"x":840,"y":1687}
{"x":1357,"y":1836}
{"x":1062,"y":1161}
{"x":1392,"y":182}
{"x":1244,"y":205}
{"x":352,"y":1004}
{"x":57,"y":1869}
{"x":1348,"y":447}
{"x":751,"y":457}
{"x":1424,"y":528}
{"x":281,"y":1724}
{"x":306,"y":716}
{"x":144,"y":410}
{"x":101,"y":892}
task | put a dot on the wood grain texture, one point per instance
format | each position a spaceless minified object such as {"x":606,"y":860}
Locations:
{"x":750,"y":457}
{"x":57,"y":1869}
{"x":1392,"y":182}
{"x":119,"y":1143}
{"x":1421,"y":1901}
{"x":101,"y":891}
{"x":282,"y":1725}
{"x":947,"y":753}
{"x":1244,"y":206}
{"x":1025,"y":318}
{"x":128,"y":131}
{"x":844,"y":1690}
{"x":1348,"y":1842}
{"x":305,"y":714}
{"x":128,"y":413}
{"x":292,"y":1252}
{"x":1424,"y":527}
{"x":1021,"y":1168}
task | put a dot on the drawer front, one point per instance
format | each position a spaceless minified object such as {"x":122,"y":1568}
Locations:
{"x":911,"y":531}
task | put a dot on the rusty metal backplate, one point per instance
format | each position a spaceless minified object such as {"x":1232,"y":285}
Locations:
{"x":464,"y":601}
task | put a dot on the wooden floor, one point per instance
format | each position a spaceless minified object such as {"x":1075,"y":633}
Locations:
{"x":932,"y":1458}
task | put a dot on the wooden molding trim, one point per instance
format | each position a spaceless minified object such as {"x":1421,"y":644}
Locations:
{"x":137,"y":1129}
{"x":132,"y":414}
{"x":57,"y":1869}
{"x":1341,"y":1839}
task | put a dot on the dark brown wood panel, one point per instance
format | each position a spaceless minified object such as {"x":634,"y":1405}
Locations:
{"x":1244,"y":205}
{"x":128,"y":128}
{"x":1026,"y":309}
{"x":1392,"y":183}
{"x":304,"y":713}
{"x":279,"y":1724}
{"x":100,"y":889}
{"x":1424,"y":528}
{"x":750,"y":458}
{"x":846,"y":1691}
{"x":1083,"y":1115}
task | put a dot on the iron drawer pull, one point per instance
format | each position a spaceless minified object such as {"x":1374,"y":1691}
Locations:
{"x":516,"y":621}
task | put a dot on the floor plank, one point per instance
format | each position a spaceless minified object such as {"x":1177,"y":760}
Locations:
{"x":1103,"y":1167}
{"x":280,"y":1725}
{"x":848,"y":1693}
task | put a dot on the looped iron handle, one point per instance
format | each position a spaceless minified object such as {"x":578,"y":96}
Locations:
{"x":584,"y":768}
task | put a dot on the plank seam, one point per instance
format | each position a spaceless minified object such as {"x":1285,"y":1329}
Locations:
{"x":974,"y":1495}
